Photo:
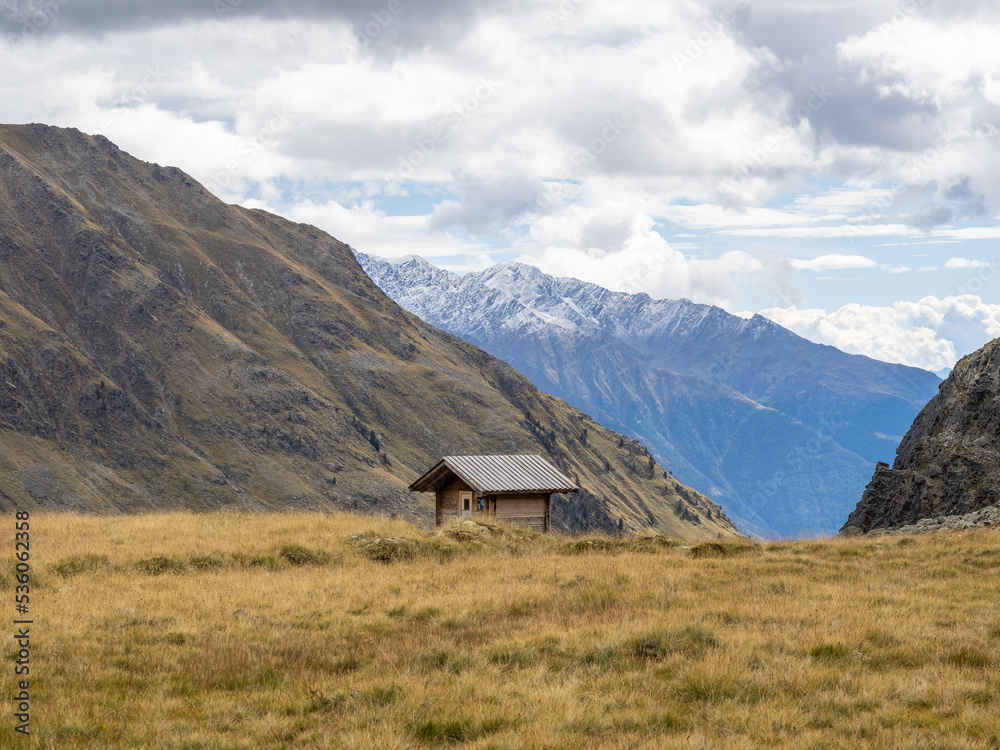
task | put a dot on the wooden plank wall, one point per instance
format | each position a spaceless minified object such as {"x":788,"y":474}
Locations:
{"x":447,"y":500}
{"x":524,"y":510}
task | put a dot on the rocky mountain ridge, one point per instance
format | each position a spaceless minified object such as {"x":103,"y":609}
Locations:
{"x":781,"y":431}
{"x":947,"y":466}
{"x":160,"y":349}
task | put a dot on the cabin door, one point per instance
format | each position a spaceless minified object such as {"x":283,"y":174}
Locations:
{"x":465,"y":503}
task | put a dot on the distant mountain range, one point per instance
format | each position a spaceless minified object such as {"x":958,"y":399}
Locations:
{"x":782,"y":432}
{"x":160,"y":350}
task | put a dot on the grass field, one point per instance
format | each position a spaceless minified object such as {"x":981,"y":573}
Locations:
{"x":239,"y":631}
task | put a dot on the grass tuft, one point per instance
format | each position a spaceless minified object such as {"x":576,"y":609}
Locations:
{"x":607,"y":545}
{"x":425,"y":614}
{"x":385,"y":549}
{"x":724,"y":549}
{"x":72,"y":566}
{"x":691,"y":641}
{"x":206,"y":562}
{"x":296,"y":554}
{"x":514,"y":657}
{"x":320,"y":702}
{"x":380,"y":697}
{"x":969,"y":657}
{"x":592,"y":726}
{"x":830,"y":652}
{"x":442,"y":660}
{"x":706,"y":686}
{"x":160,"y":564}
{"x":461,"y":729}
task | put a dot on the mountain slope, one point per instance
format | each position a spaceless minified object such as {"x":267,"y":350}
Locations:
{"x":948,"y":463}
{"x":160,"y":349}
{"x":783,"y":433}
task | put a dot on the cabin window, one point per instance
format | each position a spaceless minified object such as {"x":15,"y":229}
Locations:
{"x":465,"y":503}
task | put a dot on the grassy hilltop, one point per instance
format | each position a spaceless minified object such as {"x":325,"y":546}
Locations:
{"x":241,"y":631}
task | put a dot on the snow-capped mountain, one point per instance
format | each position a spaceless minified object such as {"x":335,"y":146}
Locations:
{"x":782,"y":432}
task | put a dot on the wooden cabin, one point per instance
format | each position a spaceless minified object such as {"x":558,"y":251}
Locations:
{"x":517,"y":489}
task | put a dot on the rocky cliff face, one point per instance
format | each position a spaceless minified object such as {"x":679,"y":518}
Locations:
{"x":782,"y":432}
{"x":948,"y":464}
{"x":160,"y":349}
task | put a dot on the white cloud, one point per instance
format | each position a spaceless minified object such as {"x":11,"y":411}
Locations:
{"x":966,"y":263}
{"x":372,"y":231}
{"x":844,"y":231}
{"x":941,"y":65}
{"x":928,"y":59}
{"x":970,"y":233}
{"x":834,"y":262}
{"x":842,"y":201}
{"x":613,"y":244}
{"x":931,"y":333}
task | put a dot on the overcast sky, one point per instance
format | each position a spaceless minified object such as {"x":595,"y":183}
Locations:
{"x":833,"y":164}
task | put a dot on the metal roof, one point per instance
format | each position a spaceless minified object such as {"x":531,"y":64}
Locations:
{"x":499,"y":474}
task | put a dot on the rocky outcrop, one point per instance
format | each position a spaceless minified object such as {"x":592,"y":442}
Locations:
{"x":948,"y":464}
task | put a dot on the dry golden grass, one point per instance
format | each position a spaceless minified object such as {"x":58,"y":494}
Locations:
{"x":238,"y":631}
